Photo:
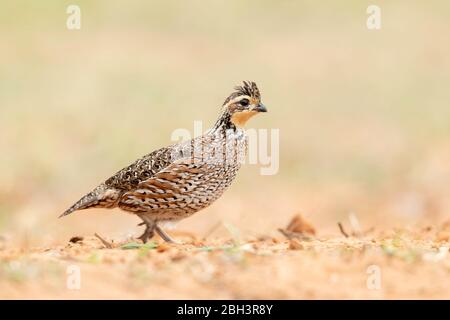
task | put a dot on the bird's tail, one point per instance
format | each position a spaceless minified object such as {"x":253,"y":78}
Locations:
{"x":99,"y":197}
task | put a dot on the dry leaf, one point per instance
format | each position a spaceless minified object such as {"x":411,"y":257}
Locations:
{"x":299,"y":225}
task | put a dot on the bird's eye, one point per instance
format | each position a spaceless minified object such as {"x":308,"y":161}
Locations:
{"x":244,"y":102}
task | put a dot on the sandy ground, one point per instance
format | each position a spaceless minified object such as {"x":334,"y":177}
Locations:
{"x":392,"y":264}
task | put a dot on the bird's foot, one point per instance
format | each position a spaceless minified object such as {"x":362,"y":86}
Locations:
{"x":148,"y":233}
{"x":165,"y":236}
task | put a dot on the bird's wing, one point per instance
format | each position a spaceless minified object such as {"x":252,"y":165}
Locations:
{"x":168,"y":188}
{"x":148,"y":166}
{"x":108,"y":193}
{"x":142,"y":169}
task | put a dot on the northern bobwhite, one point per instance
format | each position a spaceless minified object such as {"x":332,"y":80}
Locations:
{"x":174,"y":182}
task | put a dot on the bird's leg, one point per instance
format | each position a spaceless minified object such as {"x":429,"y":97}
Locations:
{"x":164,"y":235}
{"x":149,"y":230}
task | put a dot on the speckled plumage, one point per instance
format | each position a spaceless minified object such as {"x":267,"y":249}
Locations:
{"x":174,"y":182}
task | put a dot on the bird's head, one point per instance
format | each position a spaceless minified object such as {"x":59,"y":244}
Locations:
{"x":244,"y":103}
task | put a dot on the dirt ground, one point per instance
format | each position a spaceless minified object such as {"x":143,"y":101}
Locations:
{"x":392,"y":264}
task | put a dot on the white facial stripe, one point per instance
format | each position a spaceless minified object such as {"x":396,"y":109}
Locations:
{"x":238,"y":99}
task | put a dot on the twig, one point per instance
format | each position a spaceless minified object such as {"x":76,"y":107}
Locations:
{"x":212,"y":229}
{"x":105,"y":243}
{"x":294,"y":235}
{"x":341,"y":228}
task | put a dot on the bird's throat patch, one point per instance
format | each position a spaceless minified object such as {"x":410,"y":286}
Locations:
{"x":240,"y":118}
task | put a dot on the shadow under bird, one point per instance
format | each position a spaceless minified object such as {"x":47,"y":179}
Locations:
{"x":174,"y":182}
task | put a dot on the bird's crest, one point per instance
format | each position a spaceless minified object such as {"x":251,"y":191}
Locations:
{"x":248,"y":88}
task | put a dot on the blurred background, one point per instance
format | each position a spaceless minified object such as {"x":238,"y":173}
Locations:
{"x":364,"y":115}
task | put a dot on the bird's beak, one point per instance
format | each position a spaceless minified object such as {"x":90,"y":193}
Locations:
{"x":260,"y":108}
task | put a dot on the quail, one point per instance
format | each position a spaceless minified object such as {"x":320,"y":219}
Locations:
{"x":174,"y":182}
